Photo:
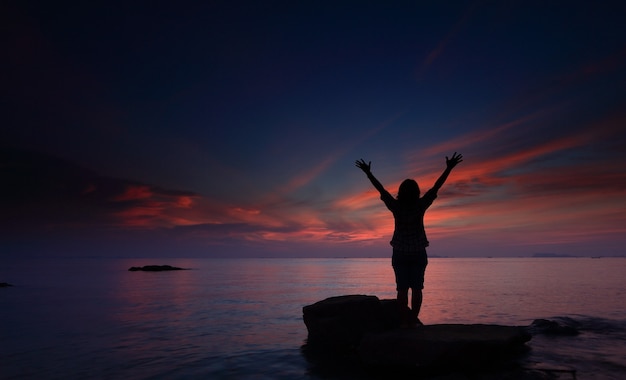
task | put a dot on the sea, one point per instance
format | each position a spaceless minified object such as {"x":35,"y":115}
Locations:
{"x":242,"y":318}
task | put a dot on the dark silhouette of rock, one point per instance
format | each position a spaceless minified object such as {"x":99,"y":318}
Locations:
{"x":547,"y":327}
{"x":368,"y":330}
{"x":154,"y":268}
{"x":340,"y":322}
{"x":4,"y":285}
{"x":446,"y":346}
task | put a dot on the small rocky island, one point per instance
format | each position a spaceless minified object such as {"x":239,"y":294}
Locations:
{"x":154,"y":268}
{"x":367,"y":330}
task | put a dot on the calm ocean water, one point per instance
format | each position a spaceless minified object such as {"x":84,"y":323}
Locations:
{"x":242,"y":318}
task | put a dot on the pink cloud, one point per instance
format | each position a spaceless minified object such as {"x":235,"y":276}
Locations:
{"x":134,"y":192}
{"x":150,"y":207}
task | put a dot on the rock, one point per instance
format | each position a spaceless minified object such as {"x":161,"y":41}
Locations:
{"x":4,"y":285}
{"x":154,"y":268}
{"x":367,"y":328}
{"x":340,"y":322}
{"x":547,"y":327}
{"x":449,"y":346}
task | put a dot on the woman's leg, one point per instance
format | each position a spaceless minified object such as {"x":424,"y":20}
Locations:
{"x":416,"y":301}
{"x":403,"y":298}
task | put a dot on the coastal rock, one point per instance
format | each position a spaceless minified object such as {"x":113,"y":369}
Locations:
{"x":369,"y":329}
{"x":340,"y":322}
{"x":449,"y":346}
{"x":154,"y":268}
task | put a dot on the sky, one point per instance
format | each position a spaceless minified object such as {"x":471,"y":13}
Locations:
{"x":231,"y":128}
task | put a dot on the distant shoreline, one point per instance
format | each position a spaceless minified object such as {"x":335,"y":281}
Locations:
{"x":137,"y":260}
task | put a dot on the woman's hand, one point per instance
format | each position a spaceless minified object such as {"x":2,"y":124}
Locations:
{"x":454,"y":160}
{"x":365,"y":166}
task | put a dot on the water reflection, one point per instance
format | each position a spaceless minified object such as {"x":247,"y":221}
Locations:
{"x":72,"y":318}
{"x":519,"y":290}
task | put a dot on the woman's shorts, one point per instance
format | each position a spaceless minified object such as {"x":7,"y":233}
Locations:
{"x":409,"y":268}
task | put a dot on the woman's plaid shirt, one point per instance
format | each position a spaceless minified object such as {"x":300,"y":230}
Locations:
{"x":409,"y":234}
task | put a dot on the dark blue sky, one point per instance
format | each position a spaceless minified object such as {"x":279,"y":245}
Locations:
{"x":231,"y":128}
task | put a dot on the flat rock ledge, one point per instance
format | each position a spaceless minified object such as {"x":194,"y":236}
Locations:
{"x":154,"y":268}
{"x":368,"y":329}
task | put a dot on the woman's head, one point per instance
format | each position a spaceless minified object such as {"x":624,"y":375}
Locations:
{"x":409,"y":191}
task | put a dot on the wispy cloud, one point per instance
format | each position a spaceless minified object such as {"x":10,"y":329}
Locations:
{"x":439,"y":50}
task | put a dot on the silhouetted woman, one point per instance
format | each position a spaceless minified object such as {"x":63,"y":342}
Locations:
{"x":409,"y":241}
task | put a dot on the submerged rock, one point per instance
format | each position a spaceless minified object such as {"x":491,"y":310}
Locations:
{"x":154,"y":268}
{"x":368,"y":329}
{"x":548,"y":327}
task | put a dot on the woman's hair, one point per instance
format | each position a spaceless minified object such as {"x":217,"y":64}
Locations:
{"x":409,"y":191}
